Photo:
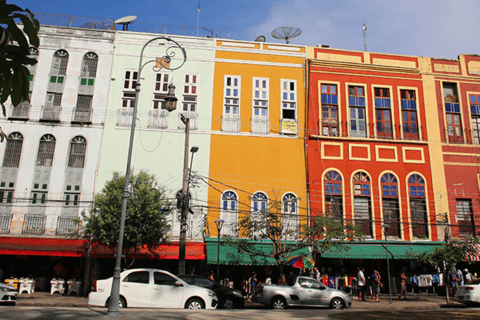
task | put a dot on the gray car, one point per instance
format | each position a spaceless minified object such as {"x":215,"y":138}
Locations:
{"x":306,"y":292}
{"x":8,"y":294}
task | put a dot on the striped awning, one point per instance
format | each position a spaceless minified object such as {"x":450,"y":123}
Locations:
{"x":475,"y":256}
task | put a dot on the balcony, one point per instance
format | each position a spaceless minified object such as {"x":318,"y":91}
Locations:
{"x":289,"y":126}
{"x":66,"y":226}
{"x":5,"y":223}
{"x":82,"y":116}
{"x":230,"y":123}
{"x":193,"y":116}
{"x":158,"y":119}
{"x":50,"y":113}
{"x":260,"y":125}
{"x":34,"y":224}
{"x":20,"y":112}
{"x":124,"y":117}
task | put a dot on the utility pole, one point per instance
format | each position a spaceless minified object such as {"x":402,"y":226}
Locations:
{"x":185,"y":201}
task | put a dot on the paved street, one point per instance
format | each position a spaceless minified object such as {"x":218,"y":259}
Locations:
{"x":41,"y":305}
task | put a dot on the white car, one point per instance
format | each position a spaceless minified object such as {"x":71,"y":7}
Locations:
{"x":153,"y":288}
{"x":8,"y":294}
{"x":469,"y":293}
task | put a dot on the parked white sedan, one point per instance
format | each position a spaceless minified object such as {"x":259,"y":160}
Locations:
{"x":153,"y":288}
{"x":8,"y":294}
{"x":469,"y":293}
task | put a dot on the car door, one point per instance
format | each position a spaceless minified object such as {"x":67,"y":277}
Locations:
{"x":165,"y":293}
{"x":312,"y":292}
{"x":136,"y":288}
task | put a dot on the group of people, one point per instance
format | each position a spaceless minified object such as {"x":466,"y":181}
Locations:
{"x":458,"y":278}
{"x":375,"y":283}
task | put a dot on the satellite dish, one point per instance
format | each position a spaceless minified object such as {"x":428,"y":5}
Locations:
{"x":260,"y":39}
{"x":286,"y":33}
{"x":125,"y":21}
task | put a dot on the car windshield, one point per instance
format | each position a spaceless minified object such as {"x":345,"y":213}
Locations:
{"x":199,"y":281}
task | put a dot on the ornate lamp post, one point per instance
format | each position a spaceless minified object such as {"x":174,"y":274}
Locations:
{"x":170,"y":104}
{"x":385,"y":227}
{"x":219,"y":223}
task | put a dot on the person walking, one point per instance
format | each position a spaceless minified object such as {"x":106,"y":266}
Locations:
{"x":361,"y":284}
{"x":468,"y":276}
{"x":403,"y":291}
{"x":376,"y":286}
{"x":459,"y":278}
{"x":452,"y":279}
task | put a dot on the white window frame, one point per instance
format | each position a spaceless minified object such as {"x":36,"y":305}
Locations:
{"x":286,"y":98}
{"x":263,"y":97}
{"x":230,"y":95}
{"x":189,"y":94}
{"x":130,"y":91}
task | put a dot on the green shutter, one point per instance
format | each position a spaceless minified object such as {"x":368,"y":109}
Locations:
{"x":53,"y":79}
{"x":83,"y":81}
{"x":90,"y":82}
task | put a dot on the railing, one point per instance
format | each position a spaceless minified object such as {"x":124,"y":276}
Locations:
{"x":158,"y":119}
{"x":66,"y":226}
{"x":108,"y":24}
{"x":82,"y":116}
{"x":230,"y":230}
{"x":193,"y":120}
{"x":260,"y":125}
{"x":124,"y":117}
{"x":20,"y":112}
{"x":51,"y":113}
{"x":230,"y":123}
{"x":34,"y":224}
{"x":5,"y":223}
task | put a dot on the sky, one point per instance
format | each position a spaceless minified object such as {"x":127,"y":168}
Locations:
{"x":430,"y":28}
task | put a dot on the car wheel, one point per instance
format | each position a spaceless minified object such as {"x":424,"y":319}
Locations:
{"x":228,"y":303}
{"x":194,"y":304}
{"x":278,"y":303}
{"x":121,"y":303}
{"x":337,"y":303}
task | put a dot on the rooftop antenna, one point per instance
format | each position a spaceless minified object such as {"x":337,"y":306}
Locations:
{"x":198,"y":15}
{"x":286,"y":33}
{"x":365,"y":36}
{"x":125,"y":21}
{"x":260,"y":39}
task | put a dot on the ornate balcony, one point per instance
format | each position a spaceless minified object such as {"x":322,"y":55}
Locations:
{"x":231,"y":123}
{"x":50,"y":113}
{"x":66,"y":226}
{"x":124,"y":117}
{"x":260,"y":125}
{"x":82,"y":116}
{"x":5,"y":223}
{"x":158,"y":119}
{"x":34,"y":224}
{"x":20,"y":112}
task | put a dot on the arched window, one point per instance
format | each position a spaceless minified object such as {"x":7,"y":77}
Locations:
{"x":89,"y":65}
{"x":290,"y":222}
{"x":46,"y":149}
{"x":76,"y":158}
{"x":33,"y":54}
{"x":13,"y":150}
{"x":362,"y":205}
{"x":418,"y":206}
{"x":390,"y":204}
{"x":259,"y":202}
{"x":333,"y":194}
{"x":229,"y":214}
{"x":60,"y":61}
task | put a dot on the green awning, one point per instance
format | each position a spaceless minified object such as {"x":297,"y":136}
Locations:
{"x":378,"y":251}
{"x":230,"y":255}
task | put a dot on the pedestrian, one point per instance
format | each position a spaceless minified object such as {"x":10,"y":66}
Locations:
{"x":376,"y":285}
{"x":452,"y":279}
{"x":254,"y":282}
{"x":361,"y":284}
{"x":459,"y":278}
{"x":467,"y":275}
{"x":403,"y":291}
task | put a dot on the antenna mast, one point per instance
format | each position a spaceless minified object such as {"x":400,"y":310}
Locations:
{"x":365,"y":36}
{"x":198,"y":15}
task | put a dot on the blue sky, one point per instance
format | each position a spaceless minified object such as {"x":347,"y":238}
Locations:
{"x":432,"y":28}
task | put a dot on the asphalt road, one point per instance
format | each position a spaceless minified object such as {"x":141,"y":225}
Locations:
{"x":10,"y":312}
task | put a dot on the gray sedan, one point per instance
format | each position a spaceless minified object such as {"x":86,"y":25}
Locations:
{"x":8,"y":294}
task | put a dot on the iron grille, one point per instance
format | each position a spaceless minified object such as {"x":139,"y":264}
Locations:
{"x":21,"y":111}
{"x":158,"y":119}
{"x":230,"y":124}
{"x":89,"y":65}
{"x":66,"y":226}
{"x":124,"y":117}
{"x":5,"y":223}
{"x":82,"y":116}
{"x":60,"y":61}
{"x":78,"y":146}
{"x":51,"y":113}
{"x":46,"y":150}
{"x":260,"y":125}
{"x":34,"y":224}
{"x":13,"y":150}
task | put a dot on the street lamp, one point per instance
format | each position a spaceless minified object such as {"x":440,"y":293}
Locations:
{"x":385,"y":226}
{"x":219,"y":223}
{"x":185,"y":199}
{"x":171,"y":101}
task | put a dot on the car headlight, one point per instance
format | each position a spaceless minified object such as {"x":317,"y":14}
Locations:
{"x":211,"y":293}
{"x":238,"y":293}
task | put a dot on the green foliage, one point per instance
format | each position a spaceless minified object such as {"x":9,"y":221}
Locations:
{"x":14,"y":51}
{"x":146,"y":220}
{"x":450,"y":253}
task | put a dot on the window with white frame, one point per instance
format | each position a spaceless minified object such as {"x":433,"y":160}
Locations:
{"x":232,"y":96}
{"x":59,"y":66}
{"x":289,"y":99}
{"x":46,"y":149}
{"x":89,"y":69}
{"x":190,"y":94}
{"x":475,"y":112}
{"x":290,"y":221}
{"x":76,"y":157}
{"x":129,"y":85}
{"x":260,"y":97}
{"x":229,"y":213}
{"x":160,"y":90}
{"x":13,"y":150}
{"x":53,"y":99}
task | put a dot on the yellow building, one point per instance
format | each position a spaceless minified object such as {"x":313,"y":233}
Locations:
{"x":257,"y":156}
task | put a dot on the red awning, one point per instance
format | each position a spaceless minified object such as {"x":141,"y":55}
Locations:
{"x":475,"y":256}
{"x":42,"y":247}
{"x":193,"y":251}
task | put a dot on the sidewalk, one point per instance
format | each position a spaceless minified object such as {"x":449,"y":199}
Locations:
{"x":417,"y":301}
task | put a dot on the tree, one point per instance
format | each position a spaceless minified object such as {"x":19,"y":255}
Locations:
{"x":448,"y":255}
{"x":14,"y":51}
{"x":146,"y":221}
{"x":325,"y":233}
